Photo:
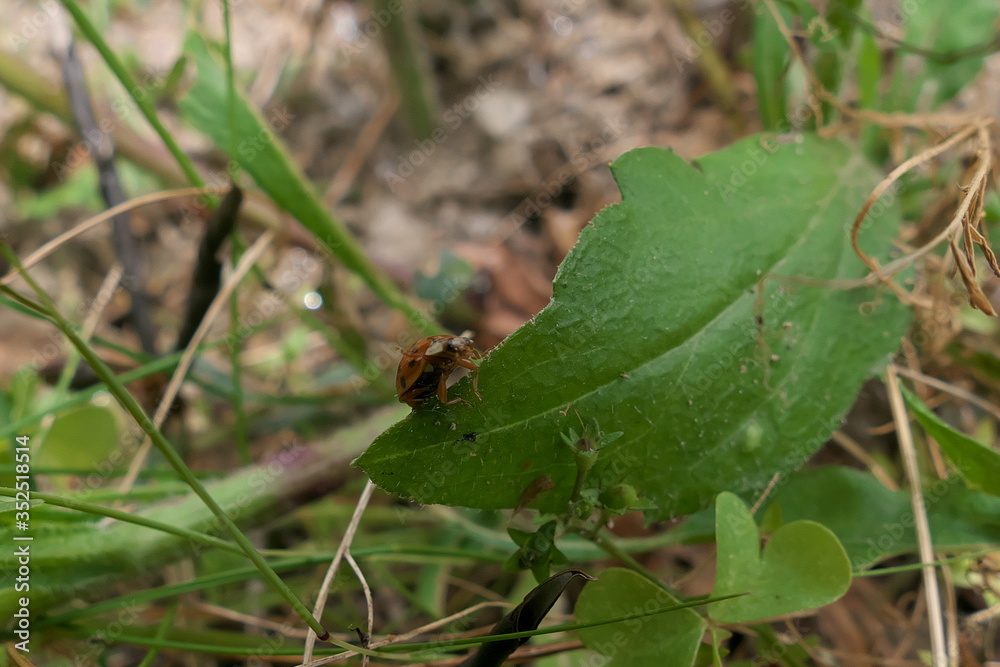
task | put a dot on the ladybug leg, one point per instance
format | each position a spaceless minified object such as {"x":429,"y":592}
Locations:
{"x":475,"y":386}
{"x":442,"y":393}
{"x":465,"y":363}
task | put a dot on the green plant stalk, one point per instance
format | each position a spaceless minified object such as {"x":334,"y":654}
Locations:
{"x":562,"y":627}
{"x":151,"y":595}
{"x":603,"y":540}
{"x":770,"y":63}
{"x":716,"y":656}
{"x":584,"y":462}
{"x":166,"y":450}
{"x":389,"y":652}
{"x":211,"y":581}
{"x":408,"y":66}
{"x":710,"y":63}
{"x":915,"y":567}
{"x":22,"y":80}
{"x":116,"y":66}
{"x":97,"y":633}
{"x":275,"y":172}
{"x":161,"y":633}
{"x":230,"y":85}
{"x":100,"y":510}
{"x":235,"y":346}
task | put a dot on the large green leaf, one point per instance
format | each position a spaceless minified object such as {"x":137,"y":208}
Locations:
{"x":689,"y":319}
{"x":801,"y":567}
{"x":873,"y":523}
{"x":84,"y":437}
{"x":661,"y":639}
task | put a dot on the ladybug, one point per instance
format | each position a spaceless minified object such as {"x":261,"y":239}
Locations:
{"x":425,"y":367}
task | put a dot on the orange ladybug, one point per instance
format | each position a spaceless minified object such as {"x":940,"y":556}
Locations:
{"x":425,"y":367}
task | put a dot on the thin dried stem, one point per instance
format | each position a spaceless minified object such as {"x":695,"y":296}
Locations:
{"x":422,"y":630}
{"x":101,"y":301}
{"x":89,"y":224}
{"x":220,"y":302}
{"x":978,"y":182}
{"x":858,"y":452}
{"x":951,"y":607}
{"x":764,"y":494}
{"x":957,"y":392}
{"x":363,"y":146}
{"x":369,"y":603}
{"x":895,"y":175}
{"x":924,"y":543}
{"x":331,"y":572}
{"x":253,"y":621}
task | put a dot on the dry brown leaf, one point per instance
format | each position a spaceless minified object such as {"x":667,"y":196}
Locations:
{"x":977,"y":299}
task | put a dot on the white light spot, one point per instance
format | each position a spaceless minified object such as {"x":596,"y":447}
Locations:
{"x":562,"y":25}
{"x":312,"y":300}
{"x":101,"y":399}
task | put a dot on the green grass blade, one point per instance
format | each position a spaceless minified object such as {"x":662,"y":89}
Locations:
{"x":135,"y":91}
{"x":260,"y":152}
{"x":100,"y":510}
{"x":165,"y":448}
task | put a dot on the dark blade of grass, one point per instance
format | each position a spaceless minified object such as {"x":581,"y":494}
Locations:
{"x":102,"y":151}
{"x":207,"y":275}
{"x":524,"y":617}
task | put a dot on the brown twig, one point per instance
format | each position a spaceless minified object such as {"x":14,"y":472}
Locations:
{"x":924,"y":543}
